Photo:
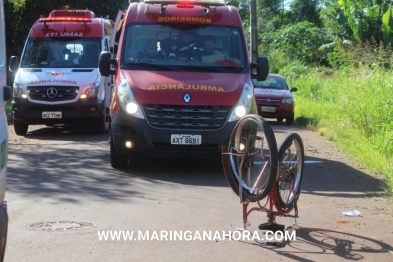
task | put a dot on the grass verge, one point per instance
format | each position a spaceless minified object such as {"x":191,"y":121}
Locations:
{"x":354,"y":109}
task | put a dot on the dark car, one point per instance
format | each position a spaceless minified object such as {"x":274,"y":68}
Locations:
{"x":274,"y":98}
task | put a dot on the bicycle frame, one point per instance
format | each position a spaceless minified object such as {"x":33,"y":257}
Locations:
{"x":272,"y":206}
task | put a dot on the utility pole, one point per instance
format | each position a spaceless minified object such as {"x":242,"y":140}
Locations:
{"x":252,"y":7}
{"x":253,"y":31}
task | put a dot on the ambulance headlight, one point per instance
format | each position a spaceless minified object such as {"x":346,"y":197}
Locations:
{"x":127,"y":100}
{"x":90,"y":90}
{"x":243,"y":106}
{"x":20,"y":91}
{"x":240,"y":111}
{"x":132,"y":108}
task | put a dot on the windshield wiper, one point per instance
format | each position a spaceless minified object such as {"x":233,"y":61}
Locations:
{"x":165,"y":67}
{"x":277,"y":88}
{"x":78,"y":66}
{"x":208,"y":68}
{"x":63,"y":66}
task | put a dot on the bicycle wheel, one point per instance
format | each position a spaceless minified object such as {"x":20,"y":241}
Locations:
{"x":253,"y":157}
{"x":290,"y":172}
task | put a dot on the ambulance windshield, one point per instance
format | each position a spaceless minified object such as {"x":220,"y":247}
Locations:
{"x":185,"y":47}
{"x":61,"y":53}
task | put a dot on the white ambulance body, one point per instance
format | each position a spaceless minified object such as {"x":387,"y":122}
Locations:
{"x":5,"y":94}
{"x":57,"y":80}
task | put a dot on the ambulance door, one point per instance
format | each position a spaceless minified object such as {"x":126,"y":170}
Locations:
{"x":116,"y":33}
{"x":107,"y":84}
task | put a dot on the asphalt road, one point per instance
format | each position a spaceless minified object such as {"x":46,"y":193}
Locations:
{"x":62,"y":191}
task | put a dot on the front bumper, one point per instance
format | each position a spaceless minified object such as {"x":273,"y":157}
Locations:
{"x":282,"y":110}
{"x":148,"y":141}
{"x":81,"y":112}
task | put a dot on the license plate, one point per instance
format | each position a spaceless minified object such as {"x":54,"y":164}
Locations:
{"x":51,"y":114}
{"x":186,"y":139}
{"x":268,"y":109}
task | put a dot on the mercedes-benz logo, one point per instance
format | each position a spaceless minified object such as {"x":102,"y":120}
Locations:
{"x":51,"y":92}
{"x":187,"y":97}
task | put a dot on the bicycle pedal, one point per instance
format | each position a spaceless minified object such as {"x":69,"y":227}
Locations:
{"x":271,"y":227}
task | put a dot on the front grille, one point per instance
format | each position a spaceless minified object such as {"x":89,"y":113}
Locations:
{"x":186,"y":117}
{"x":268,"y":100}
{"x":60,"y":93}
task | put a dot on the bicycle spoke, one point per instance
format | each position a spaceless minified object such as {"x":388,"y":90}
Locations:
{"x":253,"y":147}
{"x":291,"y":156}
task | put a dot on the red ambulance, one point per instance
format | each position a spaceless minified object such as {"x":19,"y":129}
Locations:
{"x":57,"y":80}
{"x":182,"y":79}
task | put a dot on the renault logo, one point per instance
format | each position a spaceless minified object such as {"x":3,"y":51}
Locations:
{"x":51,"y":92}
{"x":187,"y":97}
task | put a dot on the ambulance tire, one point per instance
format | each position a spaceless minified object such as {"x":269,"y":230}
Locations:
{"x":20,"y":129}
{"x":99,"y":126}
{"x":117,"y":161}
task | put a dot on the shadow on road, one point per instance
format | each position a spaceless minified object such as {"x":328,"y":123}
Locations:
{"x":63,"y":172}
{"x":344,"y":245}
{"x":330,"y":178}
{"x":75,"y":133}
{"x":318,"y":241}
{"x":48,"y":169}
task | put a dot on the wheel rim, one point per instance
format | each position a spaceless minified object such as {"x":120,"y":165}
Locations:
{"x":249,"y":149}
{"x":290,"y":172}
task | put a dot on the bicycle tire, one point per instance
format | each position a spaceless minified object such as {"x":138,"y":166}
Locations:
{"x":253,"y":155}
{"x":291,"y":158}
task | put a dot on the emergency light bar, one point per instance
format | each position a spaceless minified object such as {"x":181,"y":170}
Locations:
{"x":209,"y":5}
{"x":72,"y":13}
{"x":69,"y":15}
{"x":69,"y":19}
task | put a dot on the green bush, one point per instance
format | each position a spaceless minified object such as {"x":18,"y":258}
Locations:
{"x":280,"y":63}
{"x":302,"y":41}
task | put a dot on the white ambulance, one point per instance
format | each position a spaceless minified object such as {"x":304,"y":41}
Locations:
{"x":5,"y":94}
{"x":57,"y":80}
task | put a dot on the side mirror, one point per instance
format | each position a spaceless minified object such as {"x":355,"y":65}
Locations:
{"x":105,"y":63}
{"x":14,"y":64}
{"x":294,"y":89}
{"x":262,"y":67}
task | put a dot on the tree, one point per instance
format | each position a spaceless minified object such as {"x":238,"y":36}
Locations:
{"x":305,"y":10}
{"x":369,"y":20}
{"x":302,"y":41}
{"x":336,"y":22}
